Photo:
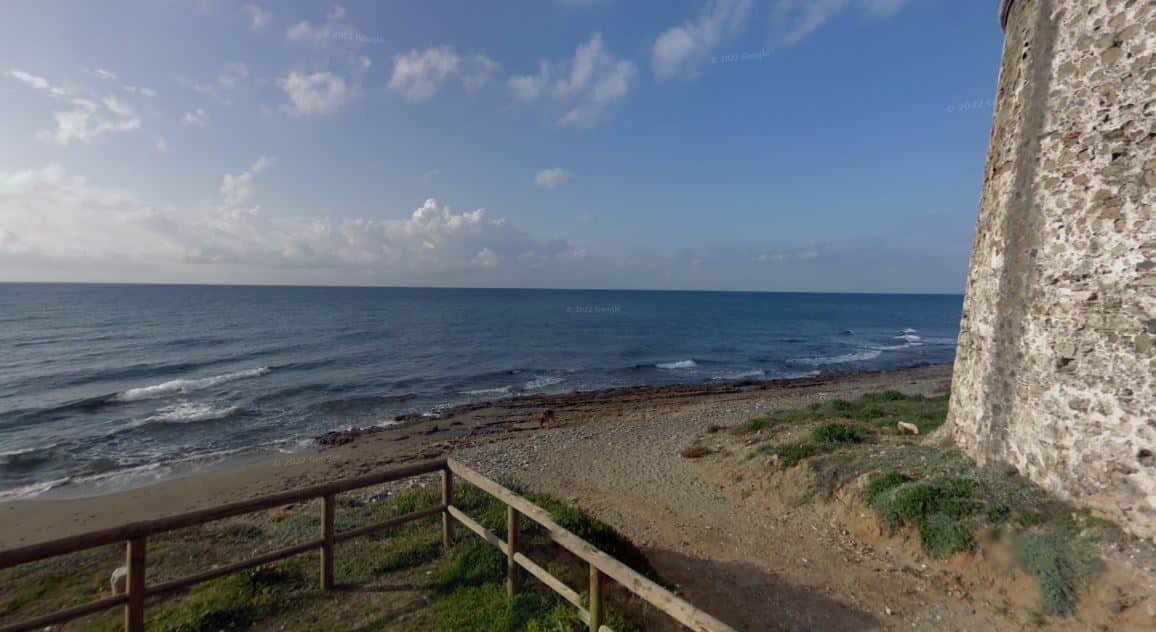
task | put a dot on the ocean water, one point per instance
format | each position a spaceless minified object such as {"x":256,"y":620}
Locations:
{"x":109,"y":386}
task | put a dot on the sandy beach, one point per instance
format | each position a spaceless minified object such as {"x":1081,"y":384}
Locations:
{"x":685,"y":408}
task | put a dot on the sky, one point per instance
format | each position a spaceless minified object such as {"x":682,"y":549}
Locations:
{"x":772,"y":145}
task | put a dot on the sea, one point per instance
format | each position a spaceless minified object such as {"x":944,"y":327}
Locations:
{"x":107,"y":387}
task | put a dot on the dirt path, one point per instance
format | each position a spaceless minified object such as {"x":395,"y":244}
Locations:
{"x":754,"y":560}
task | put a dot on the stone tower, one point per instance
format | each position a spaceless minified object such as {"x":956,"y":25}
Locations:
{"x":1055,"y":368}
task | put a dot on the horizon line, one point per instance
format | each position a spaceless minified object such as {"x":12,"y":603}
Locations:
{"x":452,"y":287}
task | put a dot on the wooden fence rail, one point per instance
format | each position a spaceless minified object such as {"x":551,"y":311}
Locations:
{"x":135,"y":537}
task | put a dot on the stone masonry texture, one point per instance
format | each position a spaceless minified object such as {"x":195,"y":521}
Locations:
{"x":1055,"y":367}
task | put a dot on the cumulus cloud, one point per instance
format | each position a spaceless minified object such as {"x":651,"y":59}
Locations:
{"x":104,"y":74}
{"x":196,"y":118}
{"x":587,"y":86}
{"x":681,"y":49}
{"x":49,"y":215}
{"x":793,"y":20}
{"x":314,"y":94}
{"x":336,"y":27}
{"x":88,"y":119}
{"x":418,"y":75}
{"x":551,"y":178}
{"x":258,"y":17}
{"x":40,"y":83}
{"x":237,"y":189}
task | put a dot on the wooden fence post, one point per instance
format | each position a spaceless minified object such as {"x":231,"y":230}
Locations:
{"x":595,"y":599}
{"x":134,"y":558}
{"x":513,"y":533}
{"x":447,"y":500}
{"x":327,"y":507}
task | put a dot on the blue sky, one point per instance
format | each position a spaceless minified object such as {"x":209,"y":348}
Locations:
{"x":805,"y":145}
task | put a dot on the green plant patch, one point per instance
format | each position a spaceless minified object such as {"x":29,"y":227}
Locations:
{"x":791,"y":453}
{"x":1059,"y":564}
{"x":836,"y":433}
{"x":885,"y":482}
{"x":943,"y":535}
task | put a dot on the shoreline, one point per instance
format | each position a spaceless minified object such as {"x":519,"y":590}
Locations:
{"x":417,"y":437}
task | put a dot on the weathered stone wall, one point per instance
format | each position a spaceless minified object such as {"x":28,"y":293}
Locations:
{"x":1055,"y":366}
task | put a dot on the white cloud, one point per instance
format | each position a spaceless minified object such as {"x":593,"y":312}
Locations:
{"x":239,"y":188}
{"x":146,"y":92}
{"x":335,"y":28}
{"x":681,"y":49}
{"x":793,"y":20}
{"x":531,"y":87}
{"x":48,"y":215}
{"x":104,"y":74}
{"x":52,"y":215}
{"x":233,"y":73}
{"x":478,"y":71}
{"x":40,"y":83}
{"x":88,"y":119}
{"x":162,"y":145}
{"x":552,"y":178}
{"x":587,"y":86}
{"x":196,"y":118}
{"x":418,"y":75}
{"x":258,"y":17}
{"x":316,"y":93}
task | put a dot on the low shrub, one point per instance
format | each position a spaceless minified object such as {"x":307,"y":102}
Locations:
{"x":1060,"y":566}
{"x":836,"y":433}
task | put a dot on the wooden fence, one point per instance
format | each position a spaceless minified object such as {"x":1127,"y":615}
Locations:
{"x":135,"y":536}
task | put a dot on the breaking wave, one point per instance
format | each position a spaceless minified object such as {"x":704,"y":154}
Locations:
{"x":188,"y":412}
{"x":175,"y":387}
{"x":856,"y":356}
{"x":680,"y":364}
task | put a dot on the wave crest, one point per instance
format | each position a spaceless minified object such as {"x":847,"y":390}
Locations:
{"x":680,"y":364}
{"x":174,"y":387}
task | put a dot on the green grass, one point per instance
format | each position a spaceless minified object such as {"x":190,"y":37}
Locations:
{"x":1061,"y":565}
{"x":883,"y":409}
{"x":835,"y":433}
{"x":824,"y":439}
{"x":940,"y":493}
{"x":464,"y":589}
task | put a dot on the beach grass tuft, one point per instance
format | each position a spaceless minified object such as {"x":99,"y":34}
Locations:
{"x":883,"y":409}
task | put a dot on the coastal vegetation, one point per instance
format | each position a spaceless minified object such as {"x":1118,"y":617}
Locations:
{"x":393,"y":580}
{"x":932,"y":492}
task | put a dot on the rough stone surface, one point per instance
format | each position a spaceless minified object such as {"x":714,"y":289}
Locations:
{"x":1054,"y":371}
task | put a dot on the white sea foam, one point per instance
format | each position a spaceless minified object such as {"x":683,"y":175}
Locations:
{"x":856,"y":356}
{"x":910,"y":338}
{"x":908,"y":330}
{"x":501,"y":390}
{"x":33,"y":490}
{"x":541,"y":382}
{"x":681,"y":364}
{"x":188,"y":412}
{"x":174,"y":387}
{"x":743,"y":375}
